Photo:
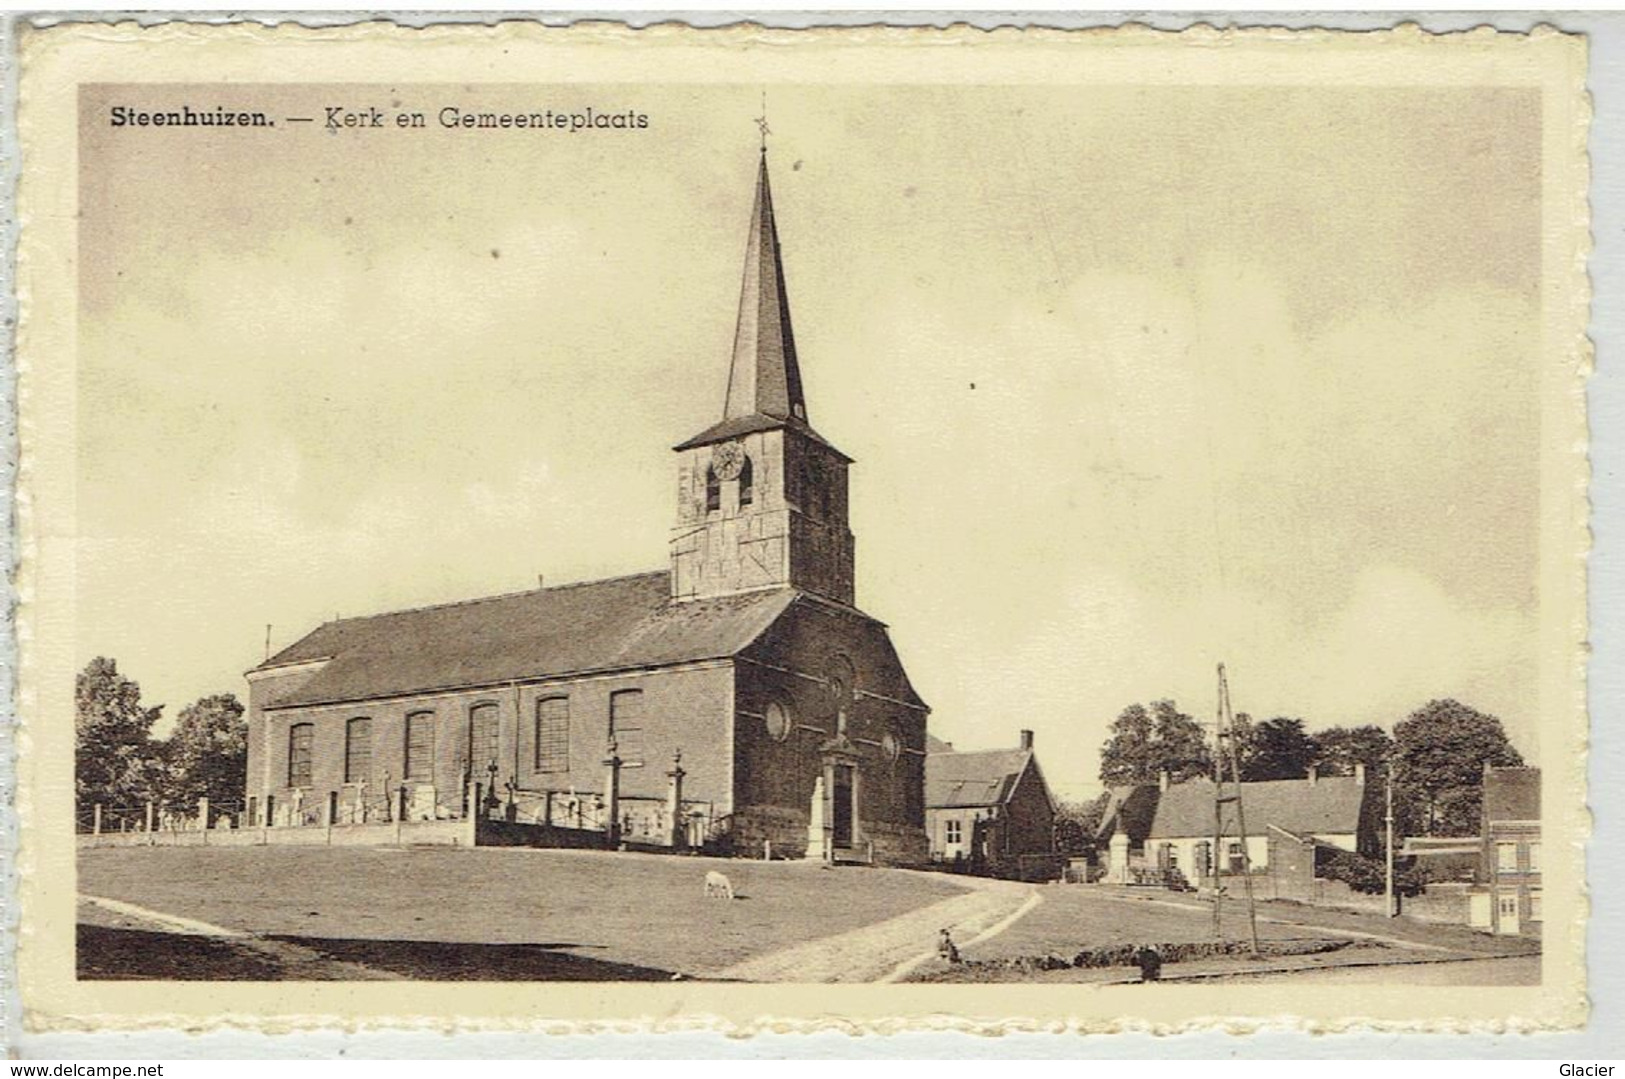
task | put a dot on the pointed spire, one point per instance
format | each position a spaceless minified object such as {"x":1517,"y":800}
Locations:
{"x":764,"y":378}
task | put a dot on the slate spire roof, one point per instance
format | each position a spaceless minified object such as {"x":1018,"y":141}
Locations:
{"x":764,"y":380}
{"x":765,"y":377}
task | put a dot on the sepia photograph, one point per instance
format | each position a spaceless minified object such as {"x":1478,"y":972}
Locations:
{"x":681,"y":516}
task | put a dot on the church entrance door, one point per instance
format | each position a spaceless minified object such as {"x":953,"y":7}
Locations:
{"x":842,"y":806}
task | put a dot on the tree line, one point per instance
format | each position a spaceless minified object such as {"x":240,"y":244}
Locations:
{"x":1436,"y":756}
{"x":118,"y":762}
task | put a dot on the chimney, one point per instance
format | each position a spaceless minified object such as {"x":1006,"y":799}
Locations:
{"x":1027,"y":740}
{"x":1314,"y":773}
{"x":1162,"y":780}
{"x":1359,"y":773}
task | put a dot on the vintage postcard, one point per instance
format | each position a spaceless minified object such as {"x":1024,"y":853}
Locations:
{"x":1047,"y":530}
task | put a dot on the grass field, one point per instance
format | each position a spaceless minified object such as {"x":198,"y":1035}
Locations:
{"x":489,"y":913}
{"x":315,"y":913}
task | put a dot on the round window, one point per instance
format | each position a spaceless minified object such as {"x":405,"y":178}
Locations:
{"x":890,"y":746}
{"x":778,"y":721}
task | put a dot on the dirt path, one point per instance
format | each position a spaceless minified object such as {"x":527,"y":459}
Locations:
{"x":889,"y":950}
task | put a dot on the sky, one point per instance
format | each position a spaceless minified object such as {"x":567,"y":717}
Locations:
{"x":1137,"y":379}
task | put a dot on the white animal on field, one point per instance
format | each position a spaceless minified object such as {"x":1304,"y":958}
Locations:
{"x":717,"y":884}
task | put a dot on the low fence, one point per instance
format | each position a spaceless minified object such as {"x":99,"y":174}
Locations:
{"x":523,"y":818}
{"x":229,"y":824}
{"x":396,"y":833}
{"x":148,"y":817}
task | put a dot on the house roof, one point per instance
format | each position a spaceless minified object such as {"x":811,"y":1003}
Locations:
{"x":614,"y":624}
{"x":1330,"y":805}
{"x":1512,"y":794}
{"x":1130,"y":808}
{"x":983,"y":778}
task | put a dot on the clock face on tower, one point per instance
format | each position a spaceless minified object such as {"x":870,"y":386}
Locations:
{"x":728,"y":459}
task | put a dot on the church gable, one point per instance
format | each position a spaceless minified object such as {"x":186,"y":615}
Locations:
{"x":812,"y":632}
{"x":825,"y":682}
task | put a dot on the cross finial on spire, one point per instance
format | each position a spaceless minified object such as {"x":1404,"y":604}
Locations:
{"x":761,"y":122}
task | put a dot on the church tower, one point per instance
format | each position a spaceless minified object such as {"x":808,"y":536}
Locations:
{"x":761,"y":496}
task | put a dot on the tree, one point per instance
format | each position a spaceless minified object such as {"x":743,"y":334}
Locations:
{"x":1341,"y":748}
{"x":1076,"y":824}
{"x":1182,"y":744}
{"x":1145,"y":742}
{"x":207,"y":755}
{"x":1440,"y":753}
{"x":115,"y":759}
{"x":1127,"y":756}
{"x":1280,"y":748}
{"x":1244,"y":738}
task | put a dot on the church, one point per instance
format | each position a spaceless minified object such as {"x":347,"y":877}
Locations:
{"x":738,"y":700}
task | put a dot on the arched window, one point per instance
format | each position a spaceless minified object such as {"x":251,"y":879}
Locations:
{"x":358,"y":750}
{"x":482,"y":740}
{"x":553,"y":734}
{"x":420,"y":745}
{"x":713,"y":491}
{"x":300,"y":736}
{"x":626,"y":723}
{"x":747,"y":484}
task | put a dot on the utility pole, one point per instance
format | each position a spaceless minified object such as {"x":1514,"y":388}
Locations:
{"x":1218,"y":817}
{"x":1225,"y":753}
{"x":1388,"y":842}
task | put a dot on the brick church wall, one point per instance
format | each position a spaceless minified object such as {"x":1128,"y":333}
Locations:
{"x":682,"y":708}
{"x":784,"y":828}
{"x":774,"y":779}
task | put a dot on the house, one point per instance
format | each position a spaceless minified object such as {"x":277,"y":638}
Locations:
{"x":1177,"y":840}
{"x":1507,"y":898}
{"x":991,"y":810}
{"x":743,"y":675}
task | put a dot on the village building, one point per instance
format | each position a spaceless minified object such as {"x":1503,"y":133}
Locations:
{"x":1165,"y":832}
{"x":990,"y":811}
{"x":738,"y":699}
{"x":1508,"y":897}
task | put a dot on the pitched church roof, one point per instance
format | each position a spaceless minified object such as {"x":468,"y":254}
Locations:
{"x":1324,"y":806}
{"x":616,"y":624}
{"x":977,"y":778}
{"x":764,"y":380}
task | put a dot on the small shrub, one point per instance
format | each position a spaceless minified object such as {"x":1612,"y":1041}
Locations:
{"x":1367,"y":875}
